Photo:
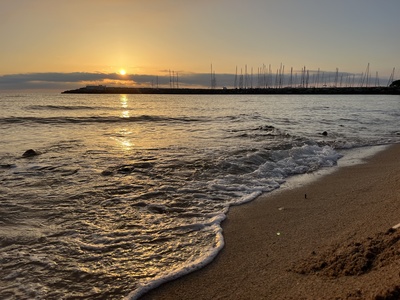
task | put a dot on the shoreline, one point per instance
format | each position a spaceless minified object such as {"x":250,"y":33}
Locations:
{"x":274,"y":244}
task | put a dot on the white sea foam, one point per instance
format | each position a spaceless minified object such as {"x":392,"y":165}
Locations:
{"x":199,"y":262}
{"x":285,"y":163}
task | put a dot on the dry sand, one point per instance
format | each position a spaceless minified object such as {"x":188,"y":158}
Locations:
{"x":334,"y":244}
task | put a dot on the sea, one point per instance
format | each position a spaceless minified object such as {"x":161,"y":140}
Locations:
{"x":126,"y":192}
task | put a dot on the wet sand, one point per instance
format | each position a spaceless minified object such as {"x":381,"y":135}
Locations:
{"x":334,"y":243}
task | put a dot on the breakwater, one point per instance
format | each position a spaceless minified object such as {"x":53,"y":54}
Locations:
{"x":228,"y":91}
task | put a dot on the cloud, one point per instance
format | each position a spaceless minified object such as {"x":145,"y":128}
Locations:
{"x":65,"y":81}
{"x":55,"y":77}
{"x":54,"y":80}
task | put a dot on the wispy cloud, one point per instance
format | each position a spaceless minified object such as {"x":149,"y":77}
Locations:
{"x":53,"y":80}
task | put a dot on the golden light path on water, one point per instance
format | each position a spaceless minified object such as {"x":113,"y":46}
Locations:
{"x":123,"y":134}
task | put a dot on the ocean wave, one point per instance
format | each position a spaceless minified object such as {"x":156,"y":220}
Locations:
{"x":63,"y":107}
{"x":96,"y":119}
{"x":262,"y":131}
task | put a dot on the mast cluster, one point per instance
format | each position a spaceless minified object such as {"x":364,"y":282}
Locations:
{"x":266,"y":78}
{"x":304,"y":78}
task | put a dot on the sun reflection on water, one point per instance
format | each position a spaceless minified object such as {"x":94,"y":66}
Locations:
{"x":124,"y":105}
{"x":124,"y":101}
{"x":125,"y":114}
{"x":127,"y":145}
{"x":123,"y":139}
{"x":123,"y":134}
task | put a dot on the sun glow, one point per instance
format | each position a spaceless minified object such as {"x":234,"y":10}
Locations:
{"x":122,"y":72}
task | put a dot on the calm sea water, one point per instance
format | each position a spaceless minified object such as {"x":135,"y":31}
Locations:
{"x":130,"y":190}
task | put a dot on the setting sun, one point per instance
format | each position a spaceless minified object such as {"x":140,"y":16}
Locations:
{"x":122,"y":72}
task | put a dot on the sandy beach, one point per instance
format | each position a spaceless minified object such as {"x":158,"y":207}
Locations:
{"x":327,"y":239}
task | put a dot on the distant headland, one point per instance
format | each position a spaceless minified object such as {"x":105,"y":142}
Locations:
{"x":393,"y":89}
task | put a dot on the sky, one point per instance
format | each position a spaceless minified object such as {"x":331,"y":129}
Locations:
{"x":58,"y":44}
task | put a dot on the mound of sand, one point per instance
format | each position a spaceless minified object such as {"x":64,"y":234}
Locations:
{"x":355,"y":258}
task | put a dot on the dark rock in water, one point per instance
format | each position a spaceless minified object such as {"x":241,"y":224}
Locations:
{"x":30,"y":153}
{"x":325,"y":133}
